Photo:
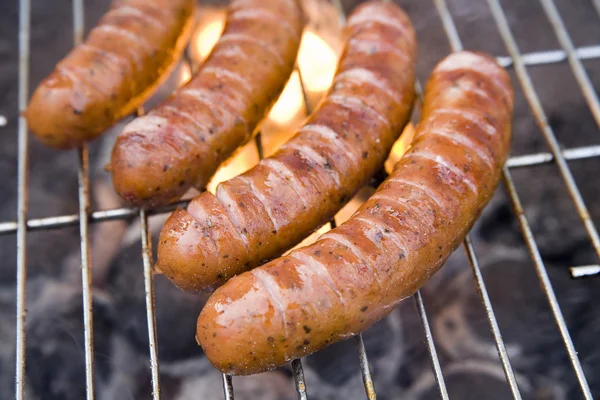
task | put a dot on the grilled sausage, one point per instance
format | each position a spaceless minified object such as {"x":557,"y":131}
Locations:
{"x":181,"y":143}
{"x":355,"y":274}
{"x":267,"y":210}
{"x":121,"y":63}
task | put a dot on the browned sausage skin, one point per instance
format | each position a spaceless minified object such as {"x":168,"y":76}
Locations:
{"x":262,"y":213}
{"x":121,"y":63}
{"x":181,"y":143}
{"x":355,"y":274}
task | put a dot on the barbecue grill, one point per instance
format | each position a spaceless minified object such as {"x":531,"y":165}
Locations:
{"x":515,"y":60}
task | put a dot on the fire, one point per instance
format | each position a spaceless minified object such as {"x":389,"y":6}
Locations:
{"x":317,"y":62}
{"x":400,"y":147}
{"x":290,"y":102}
{"x":207,"y":33}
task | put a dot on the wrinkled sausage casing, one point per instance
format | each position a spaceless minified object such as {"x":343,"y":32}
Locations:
{"x":355,"y":274}
{"x":262,"y":213}
{"x":181,"y":143}
{"x":118,"y":67}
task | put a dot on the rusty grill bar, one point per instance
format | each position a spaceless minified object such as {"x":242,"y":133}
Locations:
{"x":85,"y":216}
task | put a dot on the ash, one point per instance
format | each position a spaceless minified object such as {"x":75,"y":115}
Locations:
{"x":395,"y":346}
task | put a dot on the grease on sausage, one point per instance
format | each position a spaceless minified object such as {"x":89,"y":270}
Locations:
{"x":262,"y":213}
{"x":181,"y":143}
{"x":121,"y":63}
{"x":355,"y":274}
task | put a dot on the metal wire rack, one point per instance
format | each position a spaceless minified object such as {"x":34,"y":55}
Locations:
{"x":560,"y":157}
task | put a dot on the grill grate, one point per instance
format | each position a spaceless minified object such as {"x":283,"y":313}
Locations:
{"x":516,"y":60}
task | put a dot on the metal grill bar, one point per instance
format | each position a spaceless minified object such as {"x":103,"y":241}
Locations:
{"x":84,"y":210}
{"x":227,"y":387}
{"x":584,"y":270}
{"x":540,"y":116}
{"x":545,"y":282}
{"x":566,"y":43}
{"x":485,"y":299}
{"x":22,"y":190}
{"x":435,"y":360}
{"x":62,"y":221}
{"x":552,"y":56}
{"x":299,"y":379}
{"x":46,"y":223}
{"x":456,"y":45}
{"x":365,"y":368}
{"x":542,"y":121}
{"x":577,"y":153}
{"x":150,"y":309}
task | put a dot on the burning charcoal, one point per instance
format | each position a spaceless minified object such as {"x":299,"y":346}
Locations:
{"x":55,"y":342}
{"x":532,"y":340}
{"x":334,"y":372}
{"x":176,"y":311}
{"x":201,"y":380}
{"x":471,"y":380}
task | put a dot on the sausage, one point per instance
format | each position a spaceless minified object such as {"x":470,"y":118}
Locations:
{"x":118,"y":67}
{"x":355,"y":274}
{"x":181,"y":143}
{"x":267,"y":210}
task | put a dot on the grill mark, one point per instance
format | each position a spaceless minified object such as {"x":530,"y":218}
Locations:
{"x":329,"y":134}
{"x":358,"y":105}
{"x":472,"y":116}
{"x":199,"y":214}
{"x":146,"y":126}
{"x":204,"y":97}
{"x":116,"y":30}
{"x":477,"y":91}
{"x":311,"y":155}
{"x":422,"y":188}
{"x":112,"y":57}
{"x":414,"y":211}
{"x":464,"y":140}
{"x":80,"y":75}
{"x":184,"y":115}
{"x":372,"y":14}
{"x":262,"y":199}
{"x":231,"y":51}
{"x":343,"y":241}
{"x":284,"y":173}
{"x":132,"y":11}
{"x":370,"y":46}
{"x":242,"y":37}
{"x":207,"y":97}
{"x":377,"y":226}
{"x":233,"y":212}
{"x":229,"y":74}
{"x":274,"y":291}
{"x":363,"y":75}
{"x":438,"y":159}
{"x":321,"y":271}
{"x":473,"y":63}
{"x":261,"y":14}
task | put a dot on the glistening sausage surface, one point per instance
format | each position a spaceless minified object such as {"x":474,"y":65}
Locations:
{"x":181,"y":143}
{"x":260,"y":214}
{"x":122,"y":61}
{"x":355,"y":274}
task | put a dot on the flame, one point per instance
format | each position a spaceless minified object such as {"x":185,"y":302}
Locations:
{"x":400,"y":147}
{"x":244,"y":159}
{"x":290,"y":101}
{"x":312,"y":238}
{"x":185,"y":74}
{"x":208,"y":36}
{"x":207,"y":33}
{"x":317,"y":62}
